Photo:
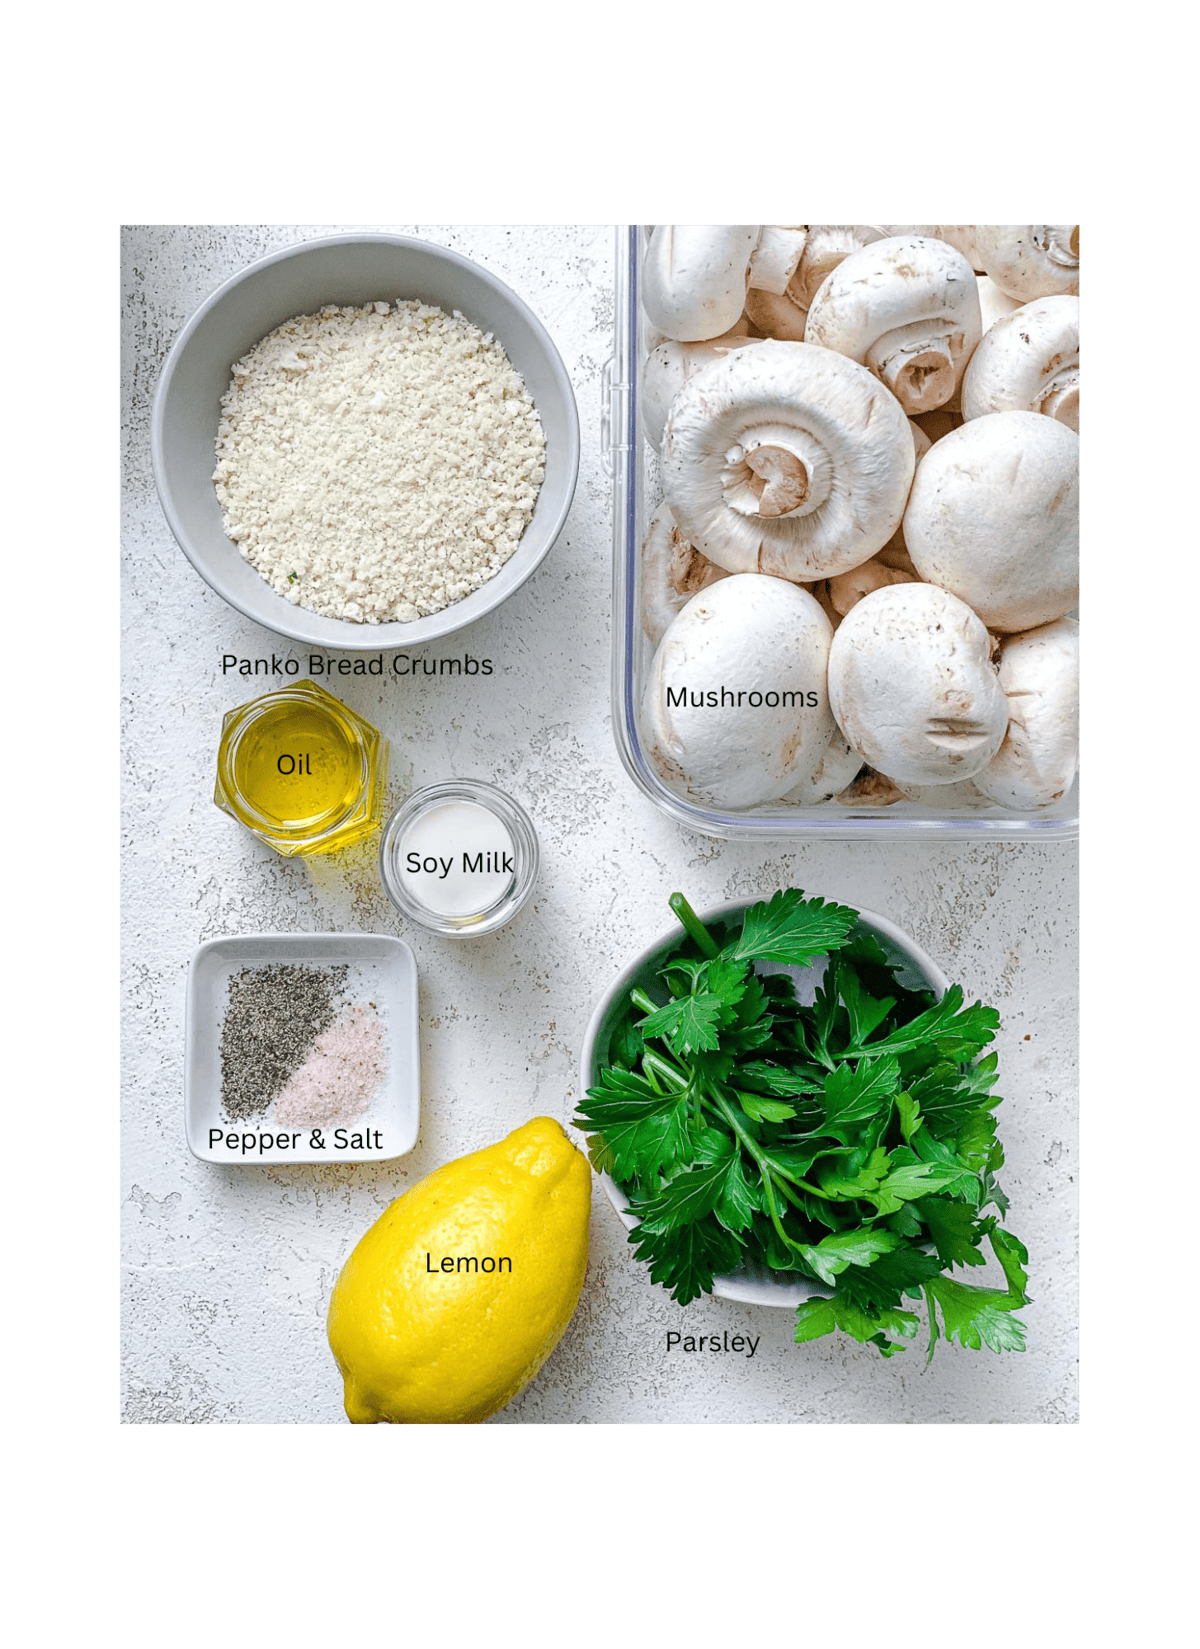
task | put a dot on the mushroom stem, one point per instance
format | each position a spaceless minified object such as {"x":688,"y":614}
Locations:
{"x":1060,"y":242}
{"x":776,"y":470}
{"x":919,"y":370}
{"x":1061,"y":399}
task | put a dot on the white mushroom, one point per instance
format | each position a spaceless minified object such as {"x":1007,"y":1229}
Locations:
{"x":781,"y":311}
{"x":992,"y":302}
{"x":1030,"y":261}
{"x":668,"y":368}
{"x":696,"y":277}
{"x":848,"y":589}
{"x":672,"y":573}
{"x":786,"y":459}
{"x":1039,"y":671}
{"x":775,"y":259}
{"x":959,"y":235}
{"x":912,"y":685}
{"x":908,"y":309}
{"x":827,"y":246}
{"x":736,"y":708}
{"x":837,"y":767}
{"x":994,"y":518}
{"x":1028,"y":361}
{"x":777,"y":314}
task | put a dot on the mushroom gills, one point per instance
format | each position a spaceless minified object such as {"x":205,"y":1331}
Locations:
{"x":787,"y":460}
{"x":907,"y":308}
{"x":1028,"y":361}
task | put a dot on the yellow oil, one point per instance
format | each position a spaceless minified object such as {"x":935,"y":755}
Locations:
{"x":297,"y":766}
{"x":301,"y":770}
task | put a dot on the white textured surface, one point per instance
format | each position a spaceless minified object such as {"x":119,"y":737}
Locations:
{"x":228,"y":1270}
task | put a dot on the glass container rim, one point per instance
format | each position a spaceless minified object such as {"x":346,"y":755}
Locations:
{"x":525,"y":844}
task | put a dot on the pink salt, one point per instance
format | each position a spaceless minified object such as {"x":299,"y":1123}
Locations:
{"x":340,"y":1077}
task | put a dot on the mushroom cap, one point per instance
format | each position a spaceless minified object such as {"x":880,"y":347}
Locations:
{"x":959,"y":235}
{"x":1028,"y":362}
{"x":836,"y":440}
{"x":747,"y":635}
{"x":694,"y":277}
{"x":1039,"y":671}
{"x":903,"y":298}
{"x":994,"y":518}
{"x":912,"y":685}
{"x":672,"y":573}
{"x":669,"y":366}
{"x":1030,"y":261}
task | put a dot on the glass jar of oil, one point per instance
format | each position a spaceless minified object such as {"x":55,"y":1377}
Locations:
{"x":301,"y":770}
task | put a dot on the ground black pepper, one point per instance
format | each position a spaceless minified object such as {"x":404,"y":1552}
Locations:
{"x":273,"y":1017}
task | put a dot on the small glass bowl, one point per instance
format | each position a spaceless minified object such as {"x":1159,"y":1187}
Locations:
{"x":349,"y":817}
{"x":498,"y":910}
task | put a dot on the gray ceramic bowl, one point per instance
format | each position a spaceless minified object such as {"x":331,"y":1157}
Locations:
{"x":344,"y":269}
{"x":758,"y":1284}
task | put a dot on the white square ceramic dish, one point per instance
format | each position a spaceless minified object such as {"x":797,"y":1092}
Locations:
{"x":380,"y":966}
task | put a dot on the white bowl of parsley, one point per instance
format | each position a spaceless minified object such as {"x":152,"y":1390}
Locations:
{"x":788,"y":1105}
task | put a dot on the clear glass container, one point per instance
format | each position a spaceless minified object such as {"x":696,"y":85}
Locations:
{"x":460,"y":858}
{"x":633,"y":466}
{"x":301,"y":771}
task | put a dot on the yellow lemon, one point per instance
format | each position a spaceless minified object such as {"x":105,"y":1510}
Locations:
{"x":463,"y":1287}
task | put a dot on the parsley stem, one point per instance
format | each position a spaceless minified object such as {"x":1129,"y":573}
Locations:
{"x":665,"y":1069}
{"x":727,"y":1111}
{"x":765,"y":1168}
{"x":694,"y":926}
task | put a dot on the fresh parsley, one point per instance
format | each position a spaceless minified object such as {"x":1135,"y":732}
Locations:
{"x":851,"y":1141}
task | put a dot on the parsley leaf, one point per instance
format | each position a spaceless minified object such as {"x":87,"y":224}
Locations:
{"x":954,"y":1228}
{"x":976,"y":1316}
{"x":908,"y":1109}
{"x":816,"y":1317}
{"x":787,"y":1083}
{"x":964,"y":1030}
{"x":682,"y":1200}
{"x":852,"y":1095}
{"x":687,"y":1023}
{"x":833,"y":1254}
{"x":687,"y":1261}
{"x":791,"y":928}
{"x":765,"y":1110}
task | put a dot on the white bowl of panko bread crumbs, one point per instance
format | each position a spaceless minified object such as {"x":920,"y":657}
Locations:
{"x":365,"y":442}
